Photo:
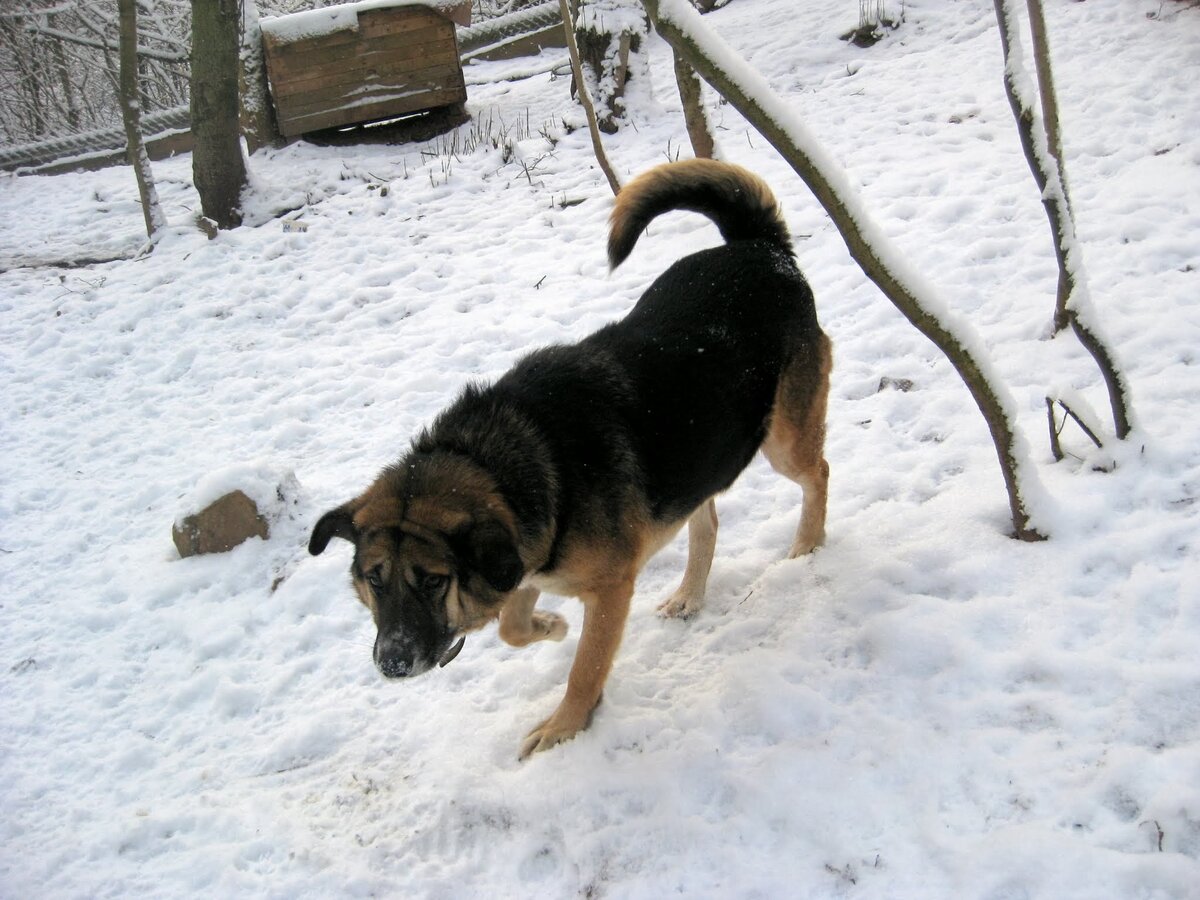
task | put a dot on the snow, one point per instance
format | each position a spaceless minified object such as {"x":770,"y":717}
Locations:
{"x":271,"y":489}
{"x":328,"y":20}
{"x":924,"y":708}
{"x":825,"y":177}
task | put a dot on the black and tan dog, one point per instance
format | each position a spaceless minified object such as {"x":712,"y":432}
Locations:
{"x":574,"y":468}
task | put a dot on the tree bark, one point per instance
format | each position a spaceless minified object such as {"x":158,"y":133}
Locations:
{"x":1046,"y":163}
{"x":586,"y":101}
{"x":258,"y":115}
{"x":690,"y":95}
{"x":605,"y":53}
{"x":218,"y":167}
{"x":131,"y":106}
{"x":753,"y":98}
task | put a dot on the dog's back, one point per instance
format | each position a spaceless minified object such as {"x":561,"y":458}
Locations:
{"x":707,"y":344}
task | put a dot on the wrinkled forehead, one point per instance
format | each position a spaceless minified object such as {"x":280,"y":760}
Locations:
{"x":401,"y":545}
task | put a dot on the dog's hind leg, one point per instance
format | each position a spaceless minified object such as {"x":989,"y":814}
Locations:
{"x":521,"y":624}
{"x":795,"y":444}
{"x":702,"y":542}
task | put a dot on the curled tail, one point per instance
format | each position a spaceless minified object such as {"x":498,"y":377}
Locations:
{"x":738,"y":202}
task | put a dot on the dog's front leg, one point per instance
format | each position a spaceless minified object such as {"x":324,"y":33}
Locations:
{"x":521,"y":624}
{"x":603,"y":624}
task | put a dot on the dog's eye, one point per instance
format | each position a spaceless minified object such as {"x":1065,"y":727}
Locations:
{"x":430,"y":584}
{"x":375,"y":579}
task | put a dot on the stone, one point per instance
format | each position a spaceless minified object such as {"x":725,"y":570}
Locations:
{"x":220,"y":526}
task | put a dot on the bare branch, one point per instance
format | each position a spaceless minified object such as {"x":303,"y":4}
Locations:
{"x":749,"y":95}
{"x":590,"y":111}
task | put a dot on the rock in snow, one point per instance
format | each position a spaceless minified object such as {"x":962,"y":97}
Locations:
{"x":220,"y":526}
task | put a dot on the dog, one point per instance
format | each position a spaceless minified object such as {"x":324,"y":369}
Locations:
{"x":580,"y":463}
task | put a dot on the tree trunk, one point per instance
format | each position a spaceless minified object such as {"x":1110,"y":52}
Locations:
{"x":70,"y":102}
{"x":131,"y":113}
{"x":218,"y":166}
{"x":1038,"y":141}
{"x":607,"y":41}
{"x":690,"y":95}
{"x":586,"y":101}
{"x":258,"y":115}
{"x":683,"y":28}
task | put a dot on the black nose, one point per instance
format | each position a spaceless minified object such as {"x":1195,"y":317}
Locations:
{"x":393,"y":668}
{"x":392,"y":658}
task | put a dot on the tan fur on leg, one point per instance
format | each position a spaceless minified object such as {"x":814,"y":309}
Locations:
{"x":521,"y":624}
{"x":603,"y":624}
{"x":702,"y":542}
{"x":795,"y":445}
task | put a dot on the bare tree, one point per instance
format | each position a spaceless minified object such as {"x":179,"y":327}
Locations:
{"x":586,"y":101}
{"x":258,"y":115}
{"x":131,"y":108}
{"x":59,"y":64}
{"x":692,"y":98}
{"x":753,"y":98}
{"x":1041,"y":141}
{"x":611,"y":37}
{"x":218,"y":167}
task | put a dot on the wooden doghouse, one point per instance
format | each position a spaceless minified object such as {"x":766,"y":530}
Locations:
{"x":362,"y":62}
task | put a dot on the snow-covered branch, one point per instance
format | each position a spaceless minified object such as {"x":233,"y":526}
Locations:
{"x":750,"y":94}
{"x":1074,"y":306}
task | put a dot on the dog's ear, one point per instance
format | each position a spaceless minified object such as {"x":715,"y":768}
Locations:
{"x":335,"y":523}
{"x":488,"y":548}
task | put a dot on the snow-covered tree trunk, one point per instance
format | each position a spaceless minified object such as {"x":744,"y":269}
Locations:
{"x":1043,"y":151}
{"x":131,"y":110}
{"x":611,"y":36}
{"x":585,"y":99}
{"x":70,"y":101}
{"x":728,"y":73}
{"x":258,"y":116}
{"x":218,"y":166}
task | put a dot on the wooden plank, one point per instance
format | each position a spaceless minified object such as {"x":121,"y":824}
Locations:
{"x":367,"y":113}
{"x":426,"y":81}
{"x":388,"y":70}
{"x":315,"y":67}
{"x":431,"y":81}
{"x":371,"y":24}
{"x":398,"y":61}
{"x":374,"y":23}
{"x":325,"y":53}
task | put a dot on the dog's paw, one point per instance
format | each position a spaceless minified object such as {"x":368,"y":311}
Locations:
{"x":804,"y":546}
{"x":562,"y":726}
{"x":548,"y":626}
{"x":681,"y":605}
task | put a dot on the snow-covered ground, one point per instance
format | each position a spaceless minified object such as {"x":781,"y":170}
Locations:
{"x":924,"y":708}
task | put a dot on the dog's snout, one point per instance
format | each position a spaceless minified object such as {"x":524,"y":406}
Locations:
{"x":391,"y":659}
{"x":393,"y":668}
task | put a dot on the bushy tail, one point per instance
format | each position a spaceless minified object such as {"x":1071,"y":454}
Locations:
{"x":738,"y":202}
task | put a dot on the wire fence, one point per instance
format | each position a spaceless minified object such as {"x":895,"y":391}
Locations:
{"x":472,"y":42}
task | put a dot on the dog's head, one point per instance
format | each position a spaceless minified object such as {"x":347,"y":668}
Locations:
{"x":435,"y":554}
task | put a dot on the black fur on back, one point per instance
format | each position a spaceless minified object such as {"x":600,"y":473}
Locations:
{"x":660,"y":410}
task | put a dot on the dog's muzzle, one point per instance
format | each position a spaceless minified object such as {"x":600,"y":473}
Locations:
{"x":399,"y":662}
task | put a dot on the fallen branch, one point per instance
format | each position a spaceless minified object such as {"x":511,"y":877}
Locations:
{"x":1055,"y":430}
